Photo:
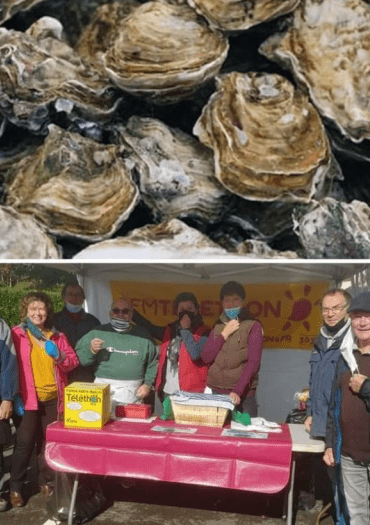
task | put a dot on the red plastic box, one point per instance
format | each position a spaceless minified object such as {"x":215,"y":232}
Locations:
{"x":134,"y":410}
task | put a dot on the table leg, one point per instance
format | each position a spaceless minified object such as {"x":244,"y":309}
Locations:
{"x":289,"y":516}
{"x":73,"y":500}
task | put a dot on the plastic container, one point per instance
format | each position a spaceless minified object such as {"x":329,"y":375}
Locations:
{"x":137,"y":410}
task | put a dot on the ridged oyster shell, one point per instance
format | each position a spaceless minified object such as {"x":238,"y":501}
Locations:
{"x":176,"y":172}
{"x":268,"y":140}
{"x":170,"y":239}
{"x":163,"y":51}
{"x":35,"y":82}
{"x":74,"y":186}
{"x":334,"y":230}
{"x":239,"y":15}
{"x":23,"y":238}
{"x":328,"y":49}
{"x":9,"y":8}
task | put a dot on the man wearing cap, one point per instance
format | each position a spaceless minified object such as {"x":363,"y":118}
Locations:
{"x":348,"y":426}
{"x":123,"y":354}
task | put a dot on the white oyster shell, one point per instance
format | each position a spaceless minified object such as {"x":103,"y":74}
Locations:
{"x":35,"y":82}
{"x":328,"y":49}
{"x":268,"y":139}
{"x":168,"y":240}
{"x":334,"y":230}
{"x":239,"y":15}
{"x":23,"y":238}
{"x":75,"y":186}
{"x":176,"y":171}
{"x":164,"y":52}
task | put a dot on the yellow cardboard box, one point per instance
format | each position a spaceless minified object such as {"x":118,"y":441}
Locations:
{"x":86,"y":405}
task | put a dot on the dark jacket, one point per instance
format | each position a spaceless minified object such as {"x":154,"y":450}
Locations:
{"x":323,"y":362}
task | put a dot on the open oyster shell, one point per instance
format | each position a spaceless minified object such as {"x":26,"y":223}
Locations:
{"x":231,"y":15}
{"x":35,"y":82}
{"x":23,"y":238}
{"x":328,"y":49}
{"x":9,"y":8}
{"x":164,"y":52}
{"x":74,"y":186}
{"x":176,"y":172}
{"x":334,"y":230}
{"x":170,"y":239}
{"x":268,"y":140}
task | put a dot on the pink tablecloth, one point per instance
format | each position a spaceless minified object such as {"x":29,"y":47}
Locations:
{"x":133,"y":449}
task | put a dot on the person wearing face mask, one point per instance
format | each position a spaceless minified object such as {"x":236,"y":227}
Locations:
{"x":74,"y":322}
{"x":123,"y":355}
{"x":180,"y":366}
{"x":233,"y":351}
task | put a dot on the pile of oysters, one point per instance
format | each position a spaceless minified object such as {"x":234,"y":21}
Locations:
{"x":184,"y":129}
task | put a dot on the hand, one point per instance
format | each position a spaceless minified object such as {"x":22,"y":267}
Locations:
{"x":185,"y":322}
{"x":308,"y":423}
{"x":235,"y":398}
{"x":231,"y":327}
{"x":356,"y":381}
{"x":6,"y":409}
{"x":51,"y":349}
{"x":143,"y":391}
{"x":329,"y":457}
{"x":96,"y":345}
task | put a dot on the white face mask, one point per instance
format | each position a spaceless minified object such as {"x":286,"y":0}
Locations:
{"x":73,"y":308}
{"x":120,"y":324}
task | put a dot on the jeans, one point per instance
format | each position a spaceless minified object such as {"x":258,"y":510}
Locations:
{"x":356,"y":482}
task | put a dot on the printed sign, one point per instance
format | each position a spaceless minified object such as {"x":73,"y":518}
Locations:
{"x":289,"y":313}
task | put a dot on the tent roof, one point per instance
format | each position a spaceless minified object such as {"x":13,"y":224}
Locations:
{"x":261,"y":272}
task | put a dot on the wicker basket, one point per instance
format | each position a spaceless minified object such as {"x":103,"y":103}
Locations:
{"x":199,"y":415}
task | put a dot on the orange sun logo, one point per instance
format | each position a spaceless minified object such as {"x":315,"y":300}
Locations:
{"x":301,"y":309}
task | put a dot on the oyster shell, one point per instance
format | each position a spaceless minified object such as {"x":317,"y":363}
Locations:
{"x":35,"y":83}
{"x":23,"y":238}
{"x":9,"y":8}
{"x":176,"y":172}
{"x":268,"y":140}
{"x":168,"y":240}
{"x":163,"y":51}
{"x":231,"y":15}
{"x":74,"y":186}
{"x":328,"y":49}
{"x":334,"y":230}
{"x":261,"y":250}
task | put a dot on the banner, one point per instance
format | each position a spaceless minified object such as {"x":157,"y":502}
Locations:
{"x":289,"y":313}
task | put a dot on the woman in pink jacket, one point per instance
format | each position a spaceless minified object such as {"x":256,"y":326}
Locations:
{"x":44,"y":357}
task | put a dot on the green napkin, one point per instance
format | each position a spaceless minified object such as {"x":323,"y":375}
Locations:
{"x":167,"y":410}
{"x":244,"y":419}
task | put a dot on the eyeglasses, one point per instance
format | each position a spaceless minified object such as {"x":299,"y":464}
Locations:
{"x":334,"y":309}
{"x":119,"y":311}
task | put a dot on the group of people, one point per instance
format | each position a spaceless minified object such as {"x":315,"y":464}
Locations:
{"x":339,"y":402}
{"x":47,"y":351}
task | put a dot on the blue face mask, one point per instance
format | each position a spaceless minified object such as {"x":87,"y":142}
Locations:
{"x":73,"y":308}
{"x":232,"y":313}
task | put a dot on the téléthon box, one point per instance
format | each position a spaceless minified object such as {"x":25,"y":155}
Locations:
{"x":86,"y":405}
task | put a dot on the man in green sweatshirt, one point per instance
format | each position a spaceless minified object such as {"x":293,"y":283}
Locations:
{"x":124,"y":355}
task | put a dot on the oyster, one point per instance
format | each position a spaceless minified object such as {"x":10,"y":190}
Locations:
{"x":268,"y":140}
{"x":328,"y":49}
{"x":176,"y":172}
{"x":75,"y":186}
{"x":163,"y":51}
{"x":168,"y":240}
{"x":231,"y":15}
{"x":334,"y":230}
{"x":9,"y":8}
{"x":23,"y":238}
{"x":35,"y":83}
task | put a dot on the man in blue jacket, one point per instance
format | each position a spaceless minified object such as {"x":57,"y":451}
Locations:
{"x":323,"y":362}
{"x":8,"y":389}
